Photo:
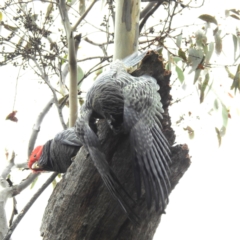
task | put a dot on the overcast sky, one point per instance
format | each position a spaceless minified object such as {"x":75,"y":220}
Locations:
{"x":205,"y":203}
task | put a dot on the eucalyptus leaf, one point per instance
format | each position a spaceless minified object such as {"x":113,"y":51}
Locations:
{"x":195,"y":57}
{"x":203,"y":87}
{"x":180,"y":74}
{"x":179,"y":40}
{"x":208,"y":18}
{"x":209,"y":52}
{"x":236,"y":80}
{"x":224,"y":115}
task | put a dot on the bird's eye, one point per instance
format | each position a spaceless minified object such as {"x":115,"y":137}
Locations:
{"x":34,"y":155}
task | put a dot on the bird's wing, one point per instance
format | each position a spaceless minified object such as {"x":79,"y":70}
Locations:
{"x":142,"y":114}
{"x":68,"y":137}
{"x":109,"y":178}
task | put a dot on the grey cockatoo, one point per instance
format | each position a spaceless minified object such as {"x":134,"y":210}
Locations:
{"x":56,"y":154}
{"x":131,"y":105}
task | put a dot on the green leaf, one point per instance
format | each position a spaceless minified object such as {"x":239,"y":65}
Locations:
{"x":54,"y":183}
{"x":33,"y":183}
{"x":97,"y":73}
{"x":236,"y":80}
{"x":182,"y":54}
{"x":80,"y":73}
{"x":195,"y":57}
{"x":235,"y":11}
{"x":81,"y":101}
{"x":196,"y":75}
{"x":168,"y":66}
{"x":179,"y":40}
{"x":209,"y":52}
{"x":223,"y":131}
{"x":10,"y":28}
{"x":20,"y":41}
{"x":218,"y":136}
{"x":82,"y":7}
{"x":224,"y":115}
{"x":180,"y":74}
{"x":215,"y":104}
{"x":218,"y":42}
{"x":235,"y":16}
{"x":1,"y":16}
{"x":208,"y":18}
{"x":203,"y":87}
{"x":230,"y":75}
{"x":63,"y":60}
{"x":34,"y":17}
{"x":177,"y":59}
{"x":235,"y":44}
{"x":49,"y":10}
{"x":201,"y":38}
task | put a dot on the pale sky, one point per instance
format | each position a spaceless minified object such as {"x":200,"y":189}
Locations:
{"x":205,"y":203}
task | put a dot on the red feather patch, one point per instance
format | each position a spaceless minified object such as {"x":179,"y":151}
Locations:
{"x":35,"y":155}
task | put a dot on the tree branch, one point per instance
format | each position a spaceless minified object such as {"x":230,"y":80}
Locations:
{"x":83,"y":16}
{"x":8,"y":168}
{"x":44,"y":76}
{"x":148,"y":14}
{"x":146,"y":9}
{"x":36,"y":127}
{"x":126,"y":28}
{"x":27,"y":207}
{"x":73,"y":104}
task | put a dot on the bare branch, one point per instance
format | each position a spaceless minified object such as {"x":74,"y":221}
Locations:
{"x":36,"y":127}
{"x":8,"y":168}
{"x":148,"y":14}
{"x":73,"y":104}
{"x":24,"y":184}
{"x":14,"y":211}
{"x":146,"y":9}
{"x":44,"y":76}
{"x":29,"y":204}
{"x":83,"y":16}
{"x":96,"y":57}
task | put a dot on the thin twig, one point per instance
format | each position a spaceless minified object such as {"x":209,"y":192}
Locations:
{"x":44,"y":76}
{"x":96,"y":57}
{"x":29,"y":204}
{"x":146,"y":9}
{"x":148,"y":15}
{"x":83,"y":16}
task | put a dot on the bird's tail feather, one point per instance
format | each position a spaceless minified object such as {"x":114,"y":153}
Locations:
{"x":108,"y":176}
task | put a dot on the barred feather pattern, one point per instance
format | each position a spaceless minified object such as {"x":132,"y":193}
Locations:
{"x":136,"y":102}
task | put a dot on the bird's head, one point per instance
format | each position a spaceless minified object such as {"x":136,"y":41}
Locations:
{"x":34,"y":159}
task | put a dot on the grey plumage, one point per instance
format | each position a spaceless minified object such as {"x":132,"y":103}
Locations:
{"x":57,"y":153}
{"x":130,"y":105}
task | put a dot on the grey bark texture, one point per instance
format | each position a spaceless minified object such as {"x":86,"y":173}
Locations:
{"x":81,"y":207}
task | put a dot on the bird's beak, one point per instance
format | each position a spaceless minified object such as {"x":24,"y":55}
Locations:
{"x":36,"y":166}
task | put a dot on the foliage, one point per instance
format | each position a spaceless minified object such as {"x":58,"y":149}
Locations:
{"x":34,"y":36}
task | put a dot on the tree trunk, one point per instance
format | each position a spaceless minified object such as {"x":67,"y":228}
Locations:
{"x":81,"y":206}
{"x":126,"y":28}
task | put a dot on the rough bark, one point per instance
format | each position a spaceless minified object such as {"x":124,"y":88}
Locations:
{"x":82,"y":208}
